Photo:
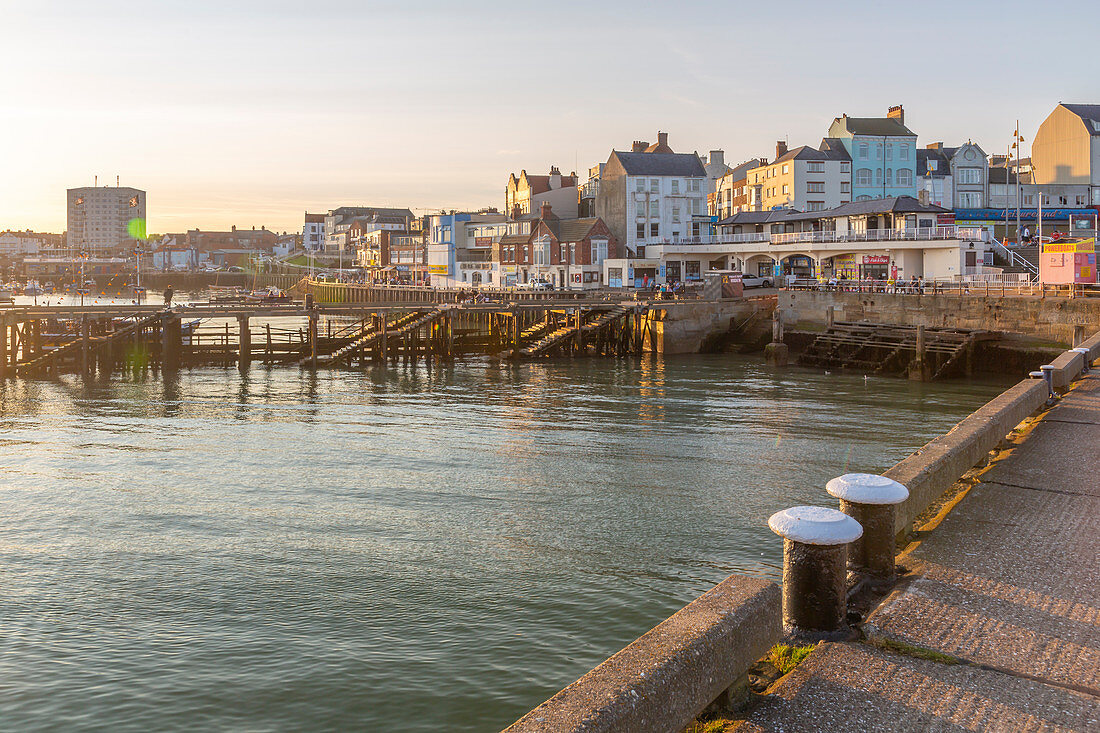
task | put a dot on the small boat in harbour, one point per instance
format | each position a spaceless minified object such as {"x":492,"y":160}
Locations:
{"x":270,"y":294}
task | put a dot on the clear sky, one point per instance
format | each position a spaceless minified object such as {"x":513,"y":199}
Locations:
{"x":250,"y":112}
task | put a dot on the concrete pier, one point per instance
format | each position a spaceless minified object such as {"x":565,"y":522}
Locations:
{"x":994,"y":624}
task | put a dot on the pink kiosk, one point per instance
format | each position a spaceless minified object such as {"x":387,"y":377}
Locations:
{"x":1065,"y":263}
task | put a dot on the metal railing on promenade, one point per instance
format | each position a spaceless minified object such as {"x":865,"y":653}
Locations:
{"x":963,"y":288}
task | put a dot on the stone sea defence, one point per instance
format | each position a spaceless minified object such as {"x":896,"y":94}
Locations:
{"x":1055,"y":319}
{"x":661,"y":681}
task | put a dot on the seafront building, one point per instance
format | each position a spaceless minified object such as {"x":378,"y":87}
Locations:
{"x":956,"y":178}
{"x":883,"y":154}
{"x":567,"y":253}
{"x":525,"y":194}
{"x":460,"y":248}
{"x":805,"y":178}
{"x":879,"y":238}
{"x":313,"y":232}
{"x":98,"y":220}
{"x":1065,"y":156}
{"x":652,"y":193}
{"x":731,"y":191}
{"x":338,"y":221}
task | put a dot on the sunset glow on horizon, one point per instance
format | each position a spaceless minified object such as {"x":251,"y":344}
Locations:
{"x":251,"y":114}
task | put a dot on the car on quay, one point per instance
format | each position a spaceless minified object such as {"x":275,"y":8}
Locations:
{"x":537,"y":283}
{"x":755,"y":281}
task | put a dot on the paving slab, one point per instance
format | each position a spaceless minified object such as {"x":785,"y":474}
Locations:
{"x":854,"y":687}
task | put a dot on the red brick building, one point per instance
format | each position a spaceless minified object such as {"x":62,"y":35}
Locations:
{"x":565,"y":252}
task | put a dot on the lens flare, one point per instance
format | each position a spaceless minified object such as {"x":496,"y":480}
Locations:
{"x":136,"y":228}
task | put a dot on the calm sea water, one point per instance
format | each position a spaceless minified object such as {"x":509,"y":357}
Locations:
{"x":404,"y":549}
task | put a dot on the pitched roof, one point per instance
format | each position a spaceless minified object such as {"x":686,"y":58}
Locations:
{"x":515,"y":238}
{"x":807,"y":153}
{"x":891,"y":205}
{"x":881,"y":126}
{"x":574,"y":230}
{"x":942,"y":162}
{"x":1089,"y":114}
{"x":758,"y":217}
{"x":742,"y":170}
{"x":661,"y":164}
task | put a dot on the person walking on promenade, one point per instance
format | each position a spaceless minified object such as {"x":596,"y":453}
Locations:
{"x":168,"y":297}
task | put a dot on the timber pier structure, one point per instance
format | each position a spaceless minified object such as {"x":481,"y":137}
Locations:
{"x":47,"y":340}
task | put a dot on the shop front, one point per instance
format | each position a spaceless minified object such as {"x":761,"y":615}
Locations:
{"x":800,"y":266}
{"x":874,"y":267}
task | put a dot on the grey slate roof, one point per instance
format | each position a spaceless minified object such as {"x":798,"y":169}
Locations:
{"x":880,"y":126}
{"x":741,"y":171}
{"x":807,"y":153}
{"x":758,"y":217}
{"x":892,"y":205}
{"x":1089,"y":113}
{"x":661,"y":164}
{"x":943,"y":163}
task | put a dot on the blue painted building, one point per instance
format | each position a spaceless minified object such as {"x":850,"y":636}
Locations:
{"x":884,"y":154}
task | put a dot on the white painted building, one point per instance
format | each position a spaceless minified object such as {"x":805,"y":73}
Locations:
{"x":460,"y":249}
{"x":652,"y":194}
{"x":313,"y":232}
{"x":880,"y":238}
{"x":15,"y":244}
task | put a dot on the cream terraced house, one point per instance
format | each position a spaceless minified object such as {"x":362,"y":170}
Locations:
{"x":804,"y":179}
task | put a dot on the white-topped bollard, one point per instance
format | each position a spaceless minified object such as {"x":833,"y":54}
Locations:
{"x":1048,"y":375}
{"x":815,"y":558}
{"x":872,"y":501}
{"x":1085,"y":356}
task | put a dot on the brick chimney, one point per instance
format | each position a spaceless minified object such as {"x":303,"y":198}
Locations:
{"x":516,"y":211}
{"x":662,"y":139}
{"x":544,"y":210}
{"x":639,"y":146}
{"x":896,"y":113}
{"x":780,"y":148}
{"x":935,"y":146}
{"x":555,"y":177}
{"x":717,"y":157}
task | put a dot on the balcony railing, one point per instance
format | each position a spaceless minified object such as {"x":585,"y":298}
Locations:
{"x":827,"y":237}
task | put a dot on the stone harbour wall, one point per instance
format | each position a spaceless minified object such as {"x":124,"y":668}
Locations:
{"x":1052,"y":319}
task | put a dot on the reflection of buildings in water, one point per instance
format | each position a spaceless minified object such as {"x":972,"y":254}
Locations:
{"x":651,"y":384}
{"x":526,"y":399}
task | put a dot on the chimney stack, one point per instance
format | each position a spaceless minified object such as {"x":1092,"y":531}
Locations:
{"x":718,"y":156}
{"x":780,"y":148}
{"x":555,"y":177}
{"x":935,"y":146}
{"x":896,"y":113}
{"x":639,"y":146}
{"x":662,"y":139}
{"x":544,"y":210}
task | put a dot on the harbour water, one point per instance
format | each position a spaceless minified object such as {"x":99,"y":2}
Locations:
{"x":402,"y":549}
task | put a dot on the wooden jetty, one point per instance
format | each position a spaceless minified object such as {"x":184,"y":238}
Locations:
{"x":47,"y":340}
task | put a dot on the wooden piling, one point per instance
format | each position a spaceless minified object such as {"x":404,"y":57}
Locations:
{"x":85,"y":346}
{"x":244,"y":343}
{"x":171,"y":339}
